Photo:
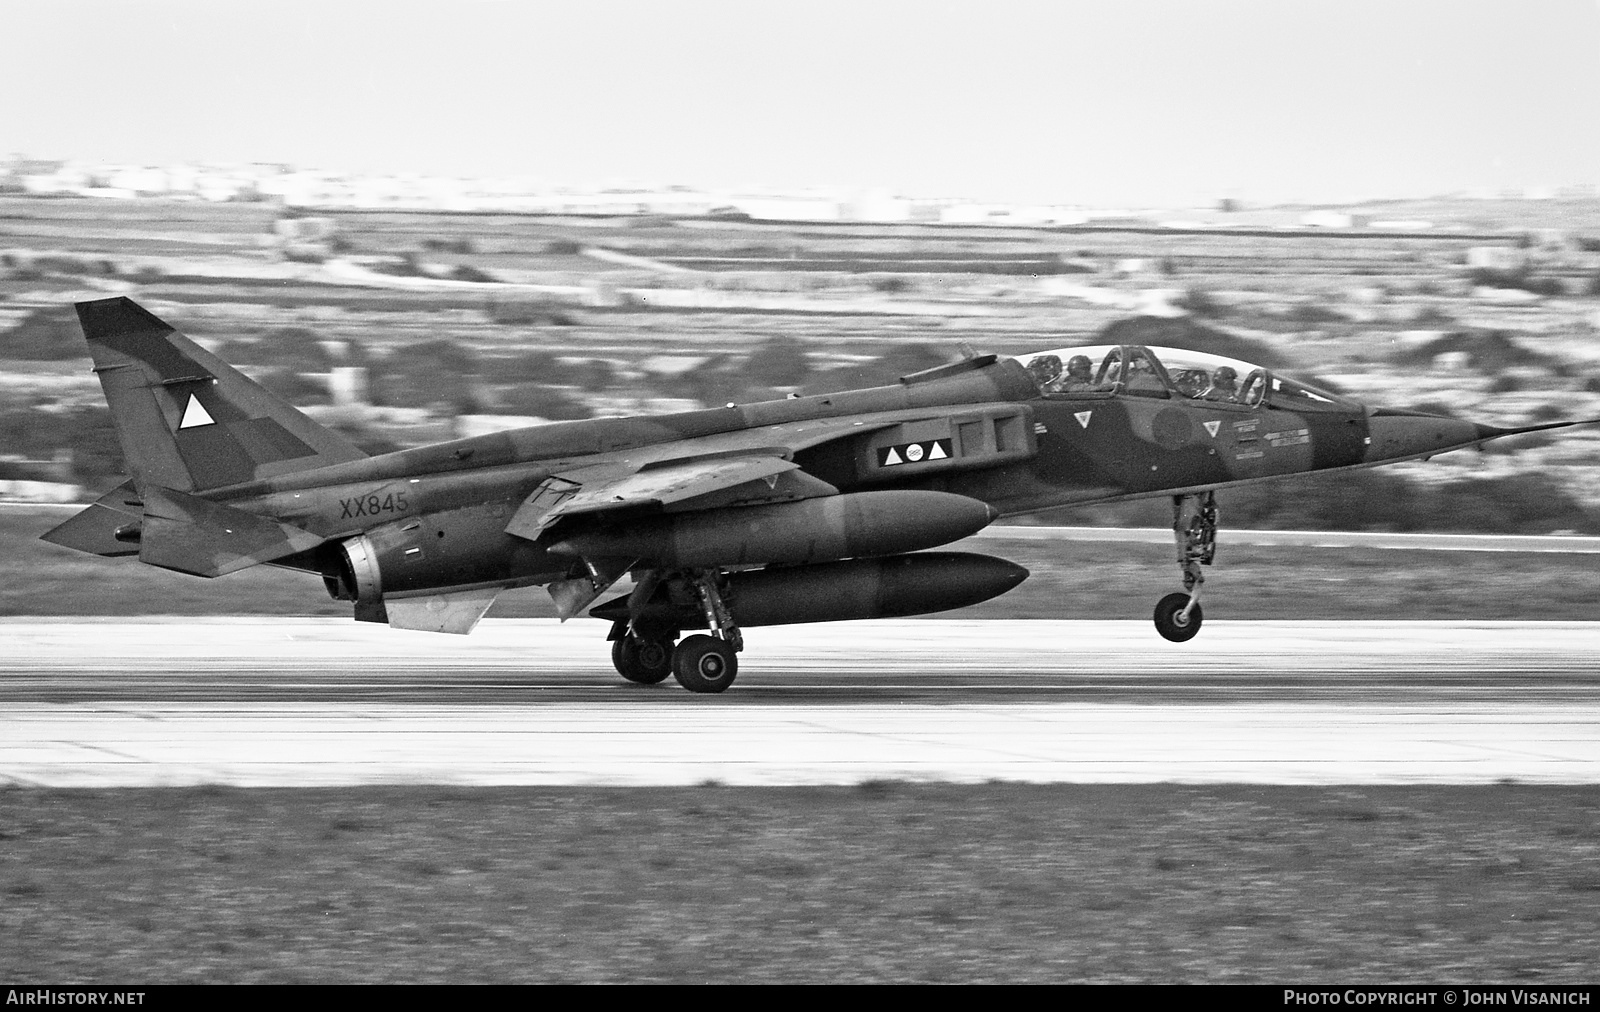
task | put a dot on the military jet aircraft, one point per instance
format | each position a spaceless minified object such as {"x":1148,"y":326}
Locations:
{"x":807,"y":509}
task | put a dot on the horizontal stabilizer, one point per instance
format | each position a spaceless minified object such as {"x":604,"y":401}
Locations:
{"x":193,"y":535}
{"x":94,"y":530}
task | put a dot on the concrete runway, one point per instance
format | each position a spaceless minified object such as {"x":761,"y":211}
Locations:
{"x":330,"y":702}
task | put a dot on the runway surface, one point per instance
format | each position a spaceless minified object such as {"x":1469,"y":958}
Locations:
{"x":326,"y":702}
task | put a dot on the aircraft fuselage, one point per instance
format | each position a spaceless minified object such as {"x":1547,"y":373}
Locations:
{"x":456,"y":498}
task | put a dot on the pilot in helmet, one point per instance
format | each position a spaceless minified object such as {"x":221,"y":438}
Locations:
{"x":1080,"y":374}
{"x":1045,"y":370}
{"x":1224,"y":384}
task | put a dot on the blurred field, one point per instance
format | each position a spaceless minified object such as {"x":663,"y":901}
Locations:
{"x":1069,"y":580}
{"x":885,"y":882}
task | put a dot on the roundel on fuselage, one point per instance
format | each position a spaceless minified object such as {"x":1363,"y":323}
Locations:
{"x":1172,"y":428}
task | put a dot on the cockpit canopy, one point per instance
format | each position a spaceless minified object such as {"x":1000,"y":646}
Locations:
{"x":1102,"y":370}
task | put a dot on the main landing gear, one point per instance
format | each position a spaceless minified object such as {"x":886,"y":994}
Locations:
{"x":1194,"y":527}
{"x":646,"y":660}
{"x":700,"y":663}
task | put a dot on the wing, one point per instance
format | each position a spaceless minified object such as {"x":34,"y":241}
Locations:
{"x":726,"y":479}
{"x":756,"y":465}
{"x":737,"y":479}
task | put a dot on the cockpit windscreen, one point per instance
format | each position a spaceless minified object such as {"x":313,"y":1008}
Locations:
{"x":1136,"y":370}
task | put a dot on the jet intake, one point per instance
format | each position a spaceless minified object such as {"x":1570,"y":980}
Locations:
{"x":812,"y":530}
{"x":888,"y":587}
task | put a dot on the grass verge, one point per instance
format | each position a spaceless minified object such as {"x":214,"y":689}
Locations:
{"x":882,"y":882}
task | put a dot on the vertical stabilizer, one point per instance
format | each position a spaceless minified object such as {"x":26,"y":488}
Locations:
{"x":188,"y":420}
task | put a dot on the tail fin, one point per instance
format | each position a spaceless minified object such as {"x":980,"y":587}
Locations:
{"x":188,"y":420}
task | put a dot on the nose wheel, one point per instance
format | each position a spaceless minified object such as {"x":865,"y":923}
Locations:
{"x":1176,"y":619}
{"x":1194,"y":527}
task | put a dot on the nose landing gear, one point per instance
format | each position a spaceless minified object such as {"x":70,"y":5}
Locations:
{"x":1194,"y":527}
{"x":1178,"y":617}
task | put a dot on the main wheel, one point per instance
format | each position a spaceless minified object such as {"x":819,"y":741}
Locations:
{"x":640,"y":660}
{"x":1170,"y":621}
{"x":704,"y":664}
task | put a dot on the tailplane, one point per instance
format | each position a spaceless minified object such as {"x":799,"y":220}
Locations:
{"x":108,"y":527}
{"x":187,"y":420}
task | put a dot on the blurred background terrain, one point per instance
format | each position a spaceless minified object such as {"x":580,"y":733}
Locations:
{"x":400,"y":324}
{"x":408,"y":325}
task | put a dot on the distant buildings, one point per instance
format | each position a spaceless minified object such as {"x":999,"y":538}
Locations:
{"x":313,"y":189}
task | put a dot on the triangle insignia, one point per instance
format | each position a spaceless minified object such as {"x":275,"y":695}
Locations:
{"x":195,"y":414}
{"x":1212,"y":428}
{"x":1083,"y":417}
{"x":892,"y":458}
{"x":937,"y":453}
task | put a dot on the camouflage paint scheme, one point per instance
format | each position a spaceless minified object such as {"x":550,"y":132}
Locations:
{"x":225,"y":474}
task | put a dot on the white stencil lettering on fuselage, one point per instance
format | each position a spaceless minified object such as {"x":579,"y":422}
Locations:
{"x":195,"y":414}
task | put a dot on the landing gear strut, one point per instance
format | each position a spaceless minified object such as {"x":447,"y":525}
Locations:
{"x":704,"y":663}
{"x":1194,"y":527}
{"x":646,"y":653}
{"x":640,"y":653}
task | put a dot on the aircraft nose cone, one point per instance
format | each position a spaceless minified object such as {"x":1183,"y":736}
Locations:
{"x":1400,"y":435}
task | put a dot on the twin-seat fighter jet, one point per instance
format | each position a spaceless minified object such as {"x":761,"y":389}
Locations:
{"x":808,"y":509}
